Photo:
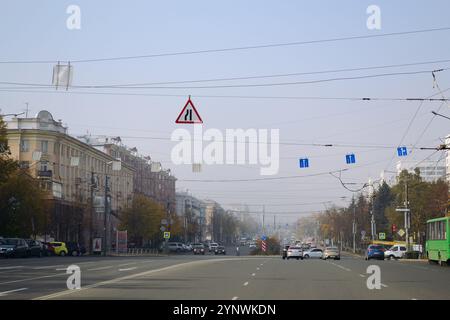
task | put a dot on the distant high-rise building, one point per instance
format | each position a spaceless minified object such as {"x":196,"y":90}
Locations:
{"x":430,"y":171}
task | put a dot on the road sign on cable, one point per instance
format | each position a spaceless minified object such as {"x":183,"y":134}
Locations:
{"x":304,"y":163}
{"x":402,"y":151}
{"x":350,"y":158}
{"x":189,"y":114}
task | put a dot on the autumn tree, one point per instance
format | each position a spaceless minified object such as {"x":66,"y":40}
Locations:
{"x":143,"y":220}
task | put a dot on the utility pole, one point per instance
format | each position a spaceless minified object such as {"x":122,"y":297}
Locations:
{"x":354,"y":228}
{"x":407,"y":216}
{"x":263,"y":216}
{"x":372,"y":225}
{"x":105,"y":222}
{"x":91,"y":220}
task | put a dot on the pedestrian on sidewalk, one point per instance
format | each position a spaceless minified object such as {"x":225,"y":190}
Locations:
{"x":237,"y":251}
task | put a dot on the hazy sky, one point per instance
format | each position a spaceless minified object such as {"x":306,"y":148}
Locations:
{"x":36,"y":30}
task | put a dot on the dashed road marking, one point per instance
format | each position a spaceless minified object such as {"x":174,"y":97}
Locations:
{"x":35,"y":278}
{"x":384,"y":285}
{"x":246,"y":284}
{"x":257,"y":268}
{"x":100,"y":268}
{"x":235,"y":298}
{"x":128,"y":269}
{"x":4,"y":293}
{"x":253,"y":274}
{"x":11,"y":267}
{"x":362,"y":276}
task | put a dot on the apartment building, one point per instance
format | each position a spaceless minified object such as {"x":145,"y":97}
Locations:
{"x":69,"y":170}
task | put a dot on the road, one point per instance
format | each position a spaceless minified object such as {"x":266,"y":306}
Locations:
{"x":188,"y":277}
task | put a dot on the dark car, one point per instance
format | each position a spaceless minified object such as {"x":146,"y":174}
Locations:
{"x":220,"y":250}
{"x":75,"y":249}
{"x":375,"y":252}
{"x":198,"y":248}
{"x":35,"y":248}
{"x":13,"y":247}
{"x":284,"y":253}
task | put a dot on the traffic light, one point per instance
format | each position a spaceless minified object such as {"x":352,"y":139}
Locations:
{"x":394,"y":228}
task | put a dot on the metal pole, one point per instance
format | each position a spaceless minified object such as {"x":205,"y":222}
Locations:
{"x":91,"y":220}
{"x":406,"y":216}
{"x":354,"y":229}
{"x":105,"y":217}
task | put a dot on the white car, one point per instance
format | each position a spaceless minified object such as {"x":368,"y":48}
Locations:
{"x":213,"y":246}
{"x":313,"y":253}
{"x":294,"y":252}
{"x":395,"y":252}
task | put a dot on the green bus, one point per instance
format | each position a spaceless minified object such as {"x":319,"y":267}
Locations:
{"x":438,"y":242}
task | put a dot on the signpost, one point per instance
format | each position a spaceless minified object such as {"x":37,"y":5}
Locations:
{"x":167,"y":235}
{"x":382,"y":236}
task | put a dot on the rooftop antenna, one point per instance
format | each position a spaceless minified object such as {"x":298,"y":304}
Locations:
{"x":26,"y":110}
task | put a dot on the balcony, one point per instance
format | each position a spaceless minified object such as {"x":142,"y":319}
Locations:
{"x":44,"y":173}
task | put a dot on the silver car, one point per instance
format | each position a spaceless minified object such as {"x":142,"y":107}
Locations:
{"x":331,"y":252}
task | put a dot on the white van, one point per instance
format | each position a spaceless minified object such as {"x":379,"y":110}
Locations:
{"x":397,"y":251}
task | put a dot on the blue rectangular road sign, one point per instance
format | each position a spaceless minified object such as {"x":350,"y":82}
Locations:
{"x":350,"y":158}
{"x":304,"y":163}
{"x":402,"y":151}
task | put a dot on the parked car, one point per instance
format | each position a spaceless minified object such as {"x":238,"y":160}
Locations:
{"x":35,"y":248}
{"x":198,"y":248}
{"x":252,"y":245}
{"x":175,"y":247}
{"x":213,"y":246}
{"x":395,"y":252}
{"x":284,"y":252}
{"x":75,"y":249}
{"x":313,"y":253}
{"x":220,"y":250}
{"x":58,"y":248}
{"x":294,"y":252}
{"x":331,"y":252}
{"x":374,"y":251}
{"x":189,"y":247}
{"x":13,"y":247}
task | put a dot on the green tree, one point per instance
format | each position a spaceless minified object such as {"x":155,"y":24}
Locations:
{"x":22,"y":211}
{"x":143,"y":220}
{"x":383,"y":198}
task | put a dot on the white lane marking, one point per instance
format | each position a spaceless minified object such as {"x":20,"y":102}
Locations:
{"x":35,"y":278}
{"x":253,"y":274}
{"x":12,"y":267}
{"x":362,"y":276}
{"x":384,"y":285}
{"x":341,"y":267}
{"x":4,"y":293}
{"x":246,"y":284}
{"x":61,"y":269}
{"x":235,"y":298}
{"x":128,"y":269}
{"x":101,"y":268}
{"x":126,"y":264}
{"x":257,"y":268}
{"x":136,"y":275}
{"x":413,"y":299}
{"x":48,"y":267}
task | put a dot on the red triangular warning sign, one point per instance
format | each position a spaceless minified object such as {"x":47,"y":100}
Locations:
{"x":189,"y":114}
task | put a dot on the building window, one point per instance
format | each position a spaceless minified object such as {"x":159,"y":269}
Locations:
{"x":24,"y":145}
{"x":44,"y":146}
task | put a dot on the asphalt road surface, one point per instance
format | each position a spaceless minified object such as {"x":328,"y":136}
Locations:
{"x":189,"y":277}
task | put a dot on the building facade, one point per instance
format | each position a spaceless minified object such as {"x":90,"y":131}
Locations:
{"x":74,"y":176}
{"x":190,"y":210}
{"x":149,"y":178}
{"x":430,"y":171}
